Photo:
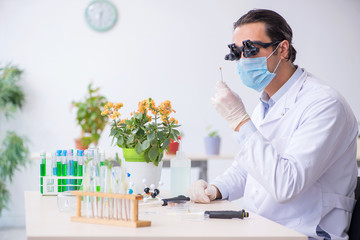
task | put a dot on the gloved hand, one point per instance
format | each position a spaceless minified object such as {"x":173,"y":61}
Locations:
{"x":229,"y":105}
{"x":201,"y":192}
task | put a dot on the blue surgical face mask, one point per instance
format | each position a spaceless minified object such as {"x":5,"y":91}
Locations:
{"x":254,"y":72}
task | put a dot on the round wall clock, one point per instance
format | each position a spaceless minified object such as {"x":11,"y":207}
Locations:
{"x":101,"y":15}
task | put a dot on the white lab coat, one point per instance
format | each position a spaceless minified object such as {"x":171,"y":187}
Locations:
{"x":299,"y":169}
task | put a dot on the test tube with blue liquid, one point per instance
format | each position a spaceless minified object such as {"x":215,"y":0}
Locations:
{"x":80,"y":166}
{"x":70,"y":168}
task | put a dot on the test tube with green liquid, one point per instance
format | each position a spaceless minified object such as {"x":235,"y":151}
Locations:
{"x":42,"y":171}
{"x":80,"y":166}
{"x":58,"y":168}
{"x":75,"y":170}
{"x":64,"y":164}
{"x":102,"y":158}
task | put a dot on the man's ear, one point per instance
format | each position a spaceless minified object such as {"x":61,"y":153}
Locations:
{"x":284,"y":49}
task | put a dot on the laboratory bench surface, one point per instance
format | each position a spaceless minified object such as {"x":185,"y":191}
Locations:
{"x":45,"y":221}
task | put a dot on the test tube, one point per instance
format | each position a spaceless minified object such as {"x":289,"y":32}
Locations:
{"x":42,"y":171}
{"x":75,"y":169}
{"x":53,"y":169}
{"x":64,"y":165}
{"x":70,"y":168}
{"x":81,"y":166}
{"x":102,"y":158}
{"x":53,"y":164}
{"x":58,"y":168}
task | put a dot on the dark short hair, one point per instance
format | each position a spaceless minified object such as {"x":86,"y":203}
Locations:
{"x":276,"y":27}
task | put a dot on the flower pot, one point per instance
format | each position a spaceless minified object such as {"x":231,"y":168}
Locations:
{"x":212,"y":145}
{"x":139,"y":170}
{"x":173,"y":147}
{"x":79,"y":145}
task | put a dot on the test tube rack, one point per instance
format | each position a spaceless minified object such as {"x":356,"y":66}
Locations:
{"x":125,"y":209}
{"x":53,"y":185}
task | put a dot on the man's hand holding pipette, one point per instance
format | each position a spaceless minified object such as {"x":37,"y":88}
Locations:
{"x":229,"y":105}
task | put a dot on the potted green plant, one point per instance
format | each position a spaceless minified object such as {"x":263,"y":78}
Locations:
{"x":89,"y":118}
{"x":212,"y":142}
{"x":14,"y":151}
{"x":143,"y":138}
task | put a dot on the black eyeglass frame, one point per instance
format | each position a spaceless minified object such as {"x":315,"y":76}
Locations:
{"x":248,"y":49}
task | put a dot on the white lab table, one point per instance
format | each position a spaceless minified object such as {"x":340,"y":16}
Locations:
{"x":45,"y":221}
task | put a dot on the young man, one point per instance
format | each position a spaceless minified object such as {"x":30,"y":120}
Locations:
{"x":297,"y":153}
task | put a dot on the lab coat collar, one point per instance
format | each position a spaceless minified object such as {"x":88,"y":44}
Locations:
{"x":285,"y":103}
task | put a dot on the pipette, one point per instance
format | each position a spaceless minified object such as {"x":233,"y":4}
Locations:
{"x":221,"y":74}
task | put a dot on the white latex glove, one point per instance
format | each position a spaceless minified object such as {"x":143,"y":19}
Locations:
{"x":201,"y":192}
{"x":229,"y":105}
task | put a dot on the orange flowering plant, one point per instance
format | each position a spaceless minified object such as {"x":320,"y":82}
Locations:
{"x":149,"y":129}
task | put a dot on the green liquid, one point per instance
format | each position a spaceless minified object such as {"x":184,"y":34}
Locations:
{"x":43,"y":174}
{"x":58,"y":173}
{"x":80,"y":173}
{"x":64,"y":174}
{"x":75,"y":171}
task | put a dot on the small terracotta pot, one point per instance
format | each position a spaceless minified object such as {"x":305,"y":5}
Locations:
{"x":79,"y":145}
{"x":173,"y":146}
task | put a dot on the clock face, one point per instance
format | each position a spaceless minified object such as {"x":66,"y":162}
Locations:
{"x":101,"y":15}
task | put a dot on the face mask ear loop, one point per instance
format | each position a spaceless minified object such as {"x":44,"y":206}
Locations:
{"x":273,"y":51}
{"x":277,"y":66}
{"x":271,"y":55}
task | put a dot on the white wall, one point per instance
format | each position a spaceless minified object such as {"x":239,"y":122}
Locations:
{"x":164,"y":49}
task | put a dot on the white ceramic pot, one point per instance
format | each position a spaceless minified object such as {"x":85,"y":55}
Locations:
{"x":142,"y":170}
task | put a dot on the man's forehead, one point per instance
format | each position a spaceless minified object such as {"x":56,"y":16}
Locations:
{"x":250,"y":31}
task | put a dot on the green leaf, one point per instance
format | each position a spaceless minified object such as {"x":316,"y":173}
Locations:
{"x":176,"y":132}
{"x":165,"y":144}
{"x":113,"y":131}
{"x":161,"y":136}
{"x":120,"y":140}
{"x":153,"y":152}
{"x":154,"y":142}
{"x":130,"y":139}
{"x":145,"y":145}
{"x":146,"y":156}
{"x":151,"y":136}
{"x":139,"y":116}
{"x":138,"y":149}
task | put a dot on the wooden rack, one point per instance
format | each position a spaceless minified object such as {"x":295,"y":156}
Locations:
{"x":124,"y":209}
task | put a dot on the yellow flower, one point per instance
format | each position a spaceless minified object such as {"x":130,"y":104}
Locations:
{"x":143,"y":106}
{"x":121,"y":122}
{"x":165,"y":108}
{"x":173,"y":120}
{"x":116,"y":114}
{"x":117,"y":106}
{"x":108,"y":106}
{"x":149,"y":117}
{"x":151,"y":105}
